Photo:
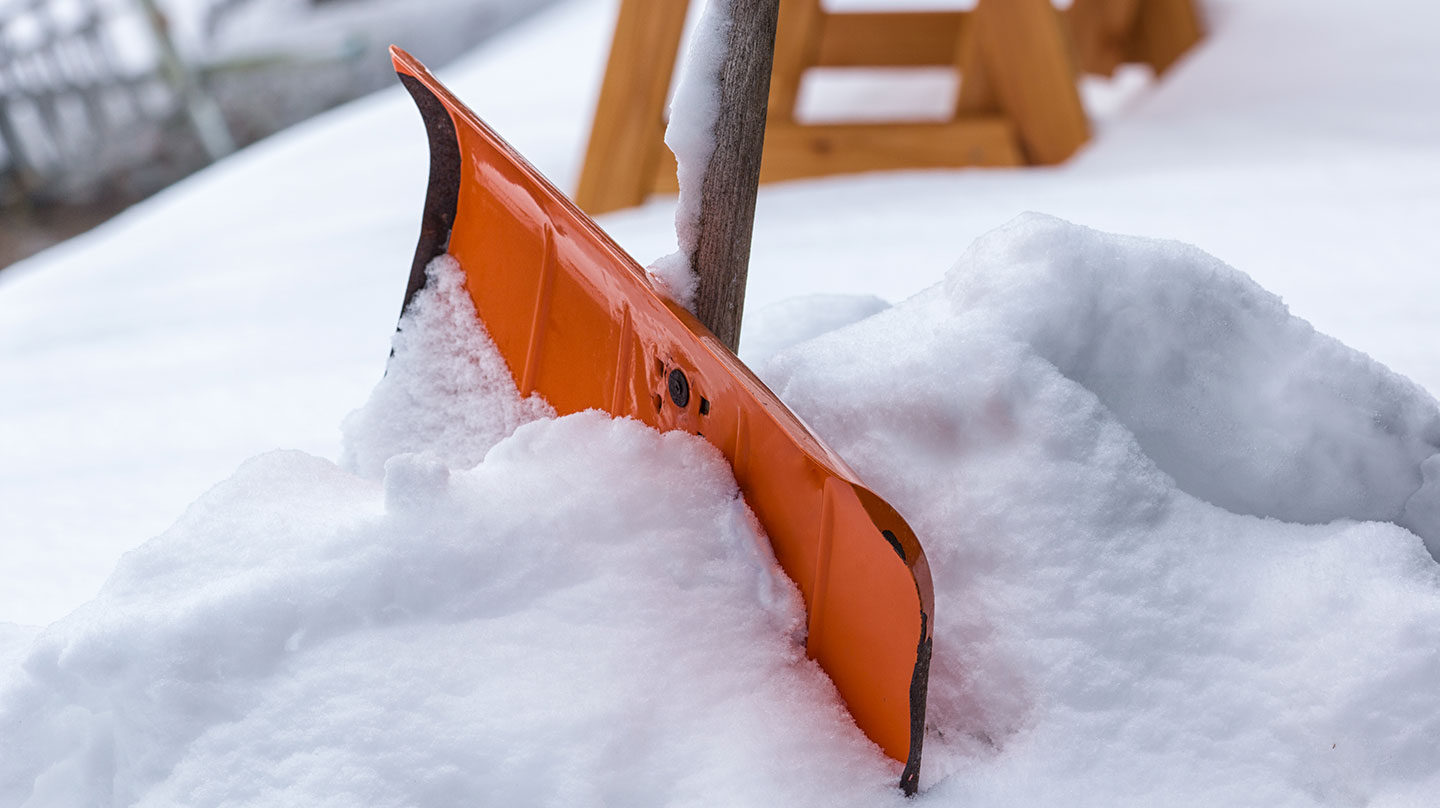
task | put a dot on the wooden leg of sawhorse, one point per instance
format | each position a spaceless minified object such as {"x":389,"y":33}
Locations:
{"x":1164,"y":30}
{"x":627,"y":138}
{"x":1108,"y":33}
{"x":1017,"y":62}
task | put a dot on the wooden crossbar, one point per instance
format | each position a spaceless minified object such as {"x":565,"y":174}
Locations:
{"x":816,"y":150}
{"x":891,"y":39}
{"x":1109,"y":33}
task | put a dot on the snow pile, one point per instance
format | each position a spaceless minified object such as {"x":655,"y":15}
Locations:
{"x":1244,"y":405}
{"x":588,"y":616}
{"x":13,"y":642}
{"x":446,"y":390}
{"x":773,"y":328}
{"x":690,"y":134}
{"x":1103,"y":636}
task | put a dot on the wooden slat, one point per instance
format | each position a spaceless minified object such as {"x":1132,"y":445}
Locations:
{"x":797,"y":44}
{"x":1164,"y":30}
{"x":1017,"y":102}
{"x":795,"y":152}
{"x":627,"y":139}
{"x":1100,"y":30}
{"x":1027,"y":62}
{"x":1108,"y":33}
{"x":976,"y":94}
{"x":891,"y":39}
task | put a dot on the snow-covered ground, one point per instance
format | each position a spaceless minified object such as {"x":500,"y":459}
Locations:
{"x":1178,"y":534}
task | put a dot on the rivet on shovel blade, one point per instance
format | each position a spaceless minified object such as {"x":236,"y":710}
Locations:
{"x":679,"y":388}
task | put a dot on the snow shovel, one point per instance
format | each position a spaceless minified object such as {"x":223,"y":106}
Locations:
{"x":579,"y":322}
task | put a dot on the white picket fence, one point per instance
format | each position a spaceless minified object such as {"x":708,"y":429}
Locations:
{"x":93,"y":97}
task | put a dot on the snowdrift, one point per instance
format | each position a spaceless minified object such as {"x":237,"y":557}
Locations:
{"x":1177,"y":539}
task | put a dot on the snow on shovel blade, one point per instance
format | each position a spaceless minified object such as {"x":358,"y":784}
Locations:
{"x":579,"y":322}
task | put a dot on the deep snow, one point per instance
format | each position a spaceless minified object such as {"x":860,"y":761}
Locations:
{"x":587,"y":615}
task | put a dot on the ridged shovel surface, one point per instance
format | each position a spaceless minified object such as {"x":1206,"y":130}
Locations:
{"x":579,"y":322}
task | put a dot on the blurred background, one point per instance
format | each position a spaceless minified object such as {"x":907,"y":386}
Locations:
{"x":104,"y":102}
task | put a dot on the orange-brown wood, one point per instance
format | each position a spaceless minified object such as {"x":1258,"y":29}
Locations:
{"x":818,"y":150}
{"x":1015,"y":61}
{"x":797,"y":45}
{"x":1108,"y":33}
{"x":891,"y":39}
{"x":627,"y":136}
{"x":579,"y":322}
{"x":1164,"y":30}
{"x":1022,"y":53}
{"x":976,"y":94}
{"x":824,"y":149}
{"x":1100,"y":30}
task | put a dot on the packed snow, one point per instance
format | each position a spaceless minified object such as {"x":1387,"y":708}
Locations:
{"x":1178,"y":533}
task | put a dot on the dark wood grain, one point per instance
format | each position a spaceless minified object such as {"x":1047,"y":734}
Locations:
{"x":727,"y":204}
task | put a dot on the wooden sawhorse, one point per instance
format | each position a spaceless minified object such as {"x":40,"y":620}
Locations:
{"x":1018,"y":101}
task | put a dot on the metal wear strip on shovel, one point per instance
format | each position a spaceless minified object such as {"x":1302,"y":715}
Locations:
{"x":579,"y":322}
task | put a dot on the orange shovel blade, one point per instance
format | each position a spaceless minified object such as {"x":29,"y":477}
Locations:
{"x":579,"y":322}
